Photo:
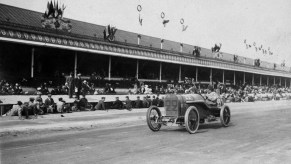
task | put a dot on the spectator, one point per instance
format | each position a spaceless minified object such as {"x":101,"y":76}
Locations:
{"x":40,"y":106}
{"x":101,"y":105}
{"x":127,"y":104}
{"x":155,"y":101}
{"x":16,"y":110}
{"x":84,"y":104}
{"x":78,"y":85}
{"x":70,"y":85}
{"x":32,"y":107}
{"x":117,"y":104}
{"x":62,"y":106}
{"x":138,"y":102}
{"x":145,"y":102}
{"x":49,"y":104}
{"x":76,"y":106}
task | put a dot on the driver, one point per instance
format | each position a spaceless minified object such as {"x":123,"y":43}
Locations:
{"x":211,"y":96}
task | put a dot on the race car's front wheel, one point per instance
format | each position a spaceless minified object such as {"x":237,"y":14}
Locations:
{"x":154,"y":118}
{"x":224,"y":115}
{"x":192,"y":119}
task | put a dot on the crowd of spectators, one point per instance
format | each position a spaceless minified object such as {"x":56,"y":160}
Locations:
{"x":10,"y":88}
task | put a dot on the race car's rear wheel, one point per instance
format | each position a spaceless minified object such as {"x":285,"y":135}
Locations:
{"x":192,"y":119}
{"x":224,"y":115}
{"x":154,"y":118}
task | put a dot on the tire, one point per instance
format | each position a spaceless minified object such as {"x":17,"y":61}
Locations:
{"x":192,"y":119}
{"x":225,"y":115}
{"x":152,"y":120}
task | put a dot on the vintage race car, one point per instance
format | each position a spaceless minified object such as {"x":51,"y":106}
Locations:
{"x":189,"y":110}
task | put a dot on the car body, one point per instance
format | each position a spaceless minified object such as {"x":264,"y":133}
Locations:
{"x":189,"y":110}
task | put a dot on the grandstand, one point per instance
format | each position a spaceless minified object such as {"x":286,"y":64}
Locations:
{"x":28,"y":50}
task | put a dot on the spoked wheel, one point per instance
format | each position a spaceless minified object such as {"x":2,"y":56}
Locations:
{"x":192,"y":119}
{"x":153,"y":118}
{"x":224,"y":115}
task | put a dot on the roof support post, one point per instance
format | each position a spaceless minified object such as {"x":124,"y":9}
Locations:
{"x":260,"y":79}
{"x":76,"y":64}
{"x":210,"y":77}
{"x":244,"y":77}
{"x":109,"y":69}
{"x":280,"y":82}
{"x":267,"y":80}
{"x":196,"y":74}
{"x":253,"y":79}
{"x":274,"y":80}
{"x":180,"y":72}
{"x":137,"y":66}
{"x":160,"y":72}
{"x":234,"y":82}
{"x":32,"y":63}
{"x":285,"y":83}
{"x":223,"y":76}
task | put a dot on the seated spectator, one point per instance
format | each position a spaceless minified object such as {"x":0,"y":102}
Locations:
{"x":149,"y":100}
{"x":76,"y":106}
{"x":127,"y":104}
{"x":138,"y":102}
{"x":129,"y":92}
{"x":84,"y":104}
{"x":32,"y":107}
{"x":101,"y":105}
{"x":18,"y":89}
{"x":145,"y":102}
{"x":62,"y":106}
{"x":117,"y":104}
{"x":40,"y":106}
{"x":49,"y":104}
{"x":155,"y":101}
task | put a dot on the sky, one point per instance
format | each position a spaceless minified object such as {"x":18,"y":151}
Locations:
{"x":229,"y":22}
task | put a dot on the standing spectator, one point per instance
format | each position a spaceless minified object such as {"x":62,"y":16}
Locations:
{"x":70,"y":85}
{"x":78,"y":85}
{"x":101,"y":105}
{"x":138,"y":102}
{"x":49,"y":104}
{"x":127,"y":104}
{"x":117,"y":104}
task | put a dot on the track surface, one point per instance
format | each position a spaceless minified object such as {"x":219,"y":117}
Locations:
{"x":259,"y":133}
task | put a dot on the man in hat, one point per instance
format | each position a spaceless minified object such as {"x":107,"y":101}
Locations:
{"x":138,"y":102}
{"x":70,"y":85}
{"x":78,"y":85}
{"x":100,"y":105}
{"x":117,"y":104}
{"x":49,"y":104}
{"x":127,"y":104}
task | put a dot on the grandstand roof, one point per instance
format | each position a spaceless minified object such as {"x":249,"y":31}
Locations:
{"x":32,"y":19}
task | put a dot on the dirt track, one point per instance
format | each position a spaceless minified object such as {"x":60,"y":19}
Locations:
{"x":259,"y":133}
